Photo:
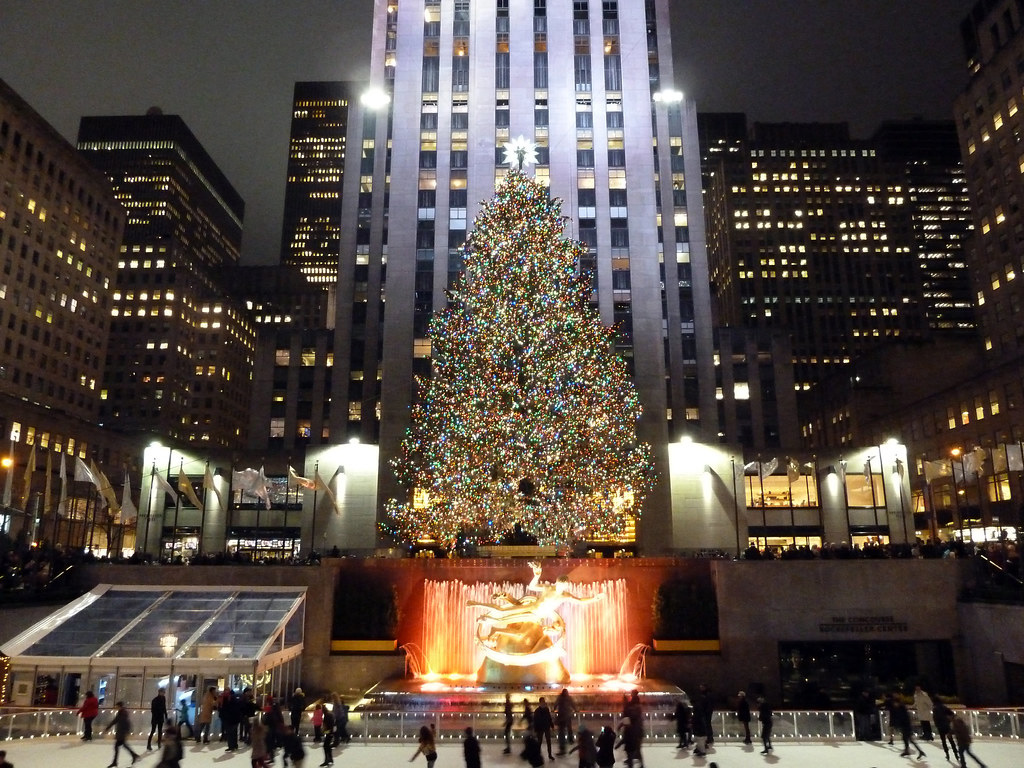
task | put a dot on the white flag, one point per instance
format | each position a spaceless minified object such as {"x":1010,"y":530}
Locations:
{"x":768,"y":467}
{"x":937,"y":468}
{"x":211,"y":485}
{"x":322,"y":486}
{"x":295,"y":481}
{"x":82,"y":473}
{"x":793,"y":471}
{"x":62,"y":505}
{"x":252,"y":482}
{"x":129,"y":512}
{"x":161,"y":482}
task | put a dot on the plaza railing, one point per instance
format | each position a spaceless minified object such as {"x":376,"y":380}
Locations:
{"x":395,"y":725}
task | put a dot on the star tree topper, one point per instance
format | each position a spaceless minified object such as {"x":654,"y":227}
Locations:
{"x":520,"y":151}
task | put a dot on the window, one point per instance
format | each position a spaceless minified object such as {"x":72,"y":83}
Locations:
{"x":501,"y":70}
{"x":460,"y":74}
{"x":612,"y":73}
{"x":429,"y":79}
{"x":540,"y":70}
{"x":581,"y":70}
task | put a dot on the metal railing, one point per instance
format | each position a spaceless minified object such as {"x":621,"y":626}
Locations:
{"x":394,"y":725}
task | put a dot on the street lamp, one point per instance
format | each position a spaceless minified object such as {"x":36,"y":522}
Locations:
{"x":375,"y":98}
{"x":668,"y":96}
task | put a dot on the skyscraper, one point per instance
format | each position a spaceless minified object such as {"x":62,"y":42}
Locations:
{"x":615,"y":141}
{"x":181,"y":347}
{"x":316,"y":165}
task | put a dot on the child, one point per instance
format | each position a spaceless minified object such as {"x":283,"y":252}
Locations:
{"x":318,"y":723}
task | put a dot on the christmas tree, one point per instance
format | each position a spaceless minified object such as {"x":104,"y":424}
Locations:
{"x":529,"y":418}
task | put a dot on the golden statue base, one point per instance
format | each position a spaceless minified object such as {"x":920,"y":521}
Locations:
{"x":547,"y":672}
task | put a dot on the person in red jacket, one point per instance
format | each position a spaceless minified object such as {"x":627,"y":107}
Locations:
{"x":89,"y":711}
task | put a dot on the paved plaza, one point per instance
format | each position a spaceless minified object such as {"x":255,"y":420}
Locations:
{"x":66,"y":751}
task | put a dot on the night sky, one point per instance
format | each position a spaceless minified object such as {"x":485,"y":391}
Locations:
{"x":228,"y":68}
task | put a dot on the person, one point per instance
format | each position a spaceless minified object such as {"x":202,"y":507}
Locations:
{"x":764,"y":717}
{"x":157,"y":718}
{"x":864,"y":714}
{"x":122,"y":726}
{"x":629,"y":739}
{"x":942,"y":717}
{"x":273,"y":718}
{"x":901,"y":722}
{"x":699,"y":730}
{"x":205,"y":717}
{"x":682,"y":716}
{"x":296,"y":706}
{"x":962,"y":734}
{"x":923,"y":709}
{"x":509,"y":720}
{"x":634,"y":711}
{"x":528,"y":714}
{"x":230,"y":717}
{"x":248,"y":707}
{"x":708,"y":713}
{"x":328,"y":734}
{"x":291,"y":747}
{"x":3,"y":760}
{"x":542,"y":725}
{"x":340,"y":710}
{"x":426,"y":747}
{"x":172,"y":752}
{"x":888,"y":703}
{"x":585,"y":747}
{"x":258,"y":740}
{"x":183,"y":721}
{"x":606,"y":748}
{"x":743,"y":714}
{"x":531,"y":749}
{"x":89,"y":711}
{"x":471,"y":749}
{"x":318,"y":723}
{"x":565,"y":708}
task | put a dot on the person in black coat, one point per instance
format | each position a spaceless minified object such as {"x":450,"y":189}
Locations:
{"x":531,"y":750}
{"x":296,"y":706}
{"x":764,"y":716}
{"x":743,"y":714}
{"x":542,"y":725}
{"x":509,"y":721}
{"x":901,"y":722}
{"x":471,"y":749}
{"x":682,"y":715}
{"x":606,"y":748}
{"x":230,"y":717}
{"x":157,"y":718}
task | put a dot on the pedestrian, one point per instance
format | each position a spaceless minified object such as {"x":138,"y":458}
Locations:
{"x":543,"y":724}
{"x":962,"y":733}
{"x":634,"y":733}
{"x":606,"y":748}
{"x":743,"y":714}
{"x":318,"y":722}
{"x":328,"y":734}
{"x":157,"y":718}
{"x":565,"y":709}
{"x":89,"y":711}
{"x":183,"y":721}
{"x":585,"y":748}
{"x":471,"y":749}
{"x":230,"y":717}
{"x":509,"y":720}
{"x":764,"y":717}
{"x":258,"y":740}
{"x":340,"y":710}
{"x":426,"y":747}
{"x":172,"y":752}
{"x":291,"y":747}
{"x":531,"y":749}
{"x":942,"y":717}
{"x":864,"y":715}
{"x":699,"y":730}
{"x":923,"y":709}
{"x":901,"y":722}
{"x":122,"y":726}
{"x":707,"y":713}
{"x":682,"y":716}
{"x":3,"y":760}
{"x":204,"y":719}
{"x":888,"y":704}
{"x":527,"y":714}
{"x":629,"y":739}
{"x":296,"y":706}
{"x":248,"y":712}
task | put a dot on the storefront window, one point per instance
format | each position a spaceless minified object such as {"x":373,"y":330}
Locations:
{"x":865,"y":491}
{"x":778,"y":491}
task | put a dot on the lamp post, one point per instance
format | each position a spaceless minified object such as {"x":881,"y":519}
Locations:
{"x":956,"y":453}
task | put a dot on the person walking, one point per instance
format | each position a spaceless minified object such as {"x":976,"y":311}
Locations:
{"x":527,"y":714}
{"x":585,"y":748}
{"x":340,"y":711}
{"x":89,"y":711}
{"x":707,"y":711}
{"x":629,"y":739}
{"x":743,"y":714}
{"x":864,"y":714}
{"x":565,"y":709}
{"x":426,"y":747}
{"x":764,"y":717}
{"x":471,"y":749}
{"x":962,"y":734}
{"x":204,"y":719}
{"x":172,"y":752}
{"x":328,"y":727}
{"x":923,"y":709}
{"x":259,"y":756}
{"x":942,"y":717}
{"x":122,"y":726}
{"x":230,"y":717}
{"x":183,"y":721}
{"x":509,"y":720}
{"x":157,"y":718}
{"x":543,"y":724}
{"x":901,"y":722}
{"x":606,"y":748}
{"x":296,"y":706}
{"x":682,"y":715}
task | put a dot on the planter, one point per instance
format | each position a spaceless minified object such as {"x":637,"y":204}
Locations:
{"x":688,"y":646}
{"x":363,"y":646}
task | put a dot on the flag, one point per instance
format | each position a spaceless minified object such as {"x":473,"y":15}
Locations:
{"x":62,"y":505}
{"x":106,"y":489}
{"x":738,"y":471}
{"x":30,"y":469}
{"x":322,"y":486}
{"x":935,"y":469}
{"x":768,"y":467}
{"x":974,"y":462}
{"x":129,"y":512}
{"x":162,"y":483}
{"x":47,"y":495}
{"x":252,"y":482}
{"x":900,"y":469}
{"x":82,"y":473}
{"x":1014,"y":460}
{"x":295,"y":481}
{"x":793,"y":471}
{"x":185,"y":486}
{"x":209,"y":484}
{"x":867,"y":471}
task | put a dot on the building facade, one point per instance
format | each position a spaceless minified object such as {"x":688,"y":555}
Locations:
{"x":181,"y":343}
{"x":310,"y":236}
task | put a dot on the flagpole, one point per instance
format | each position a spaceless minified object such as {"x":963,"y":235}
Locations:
{"x":871,"y":482}
{"x":1020,"y":482}
{"x":287,"y":501}
{"x":177,"y":506}
{"x":149,"y":507}
{"x":846,"y":501}
{"x":792,"y":512}
{"x":312,"y":547}
{"x":93,"y":494}
{"x":764,"y":512}
{"x":956,"y":497}
{"x":735,"y":506}
{"x":202,"y":518}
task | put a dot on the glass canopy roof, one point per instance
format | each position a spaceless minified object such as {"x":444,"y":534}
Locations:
{"x":169,"y":623}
